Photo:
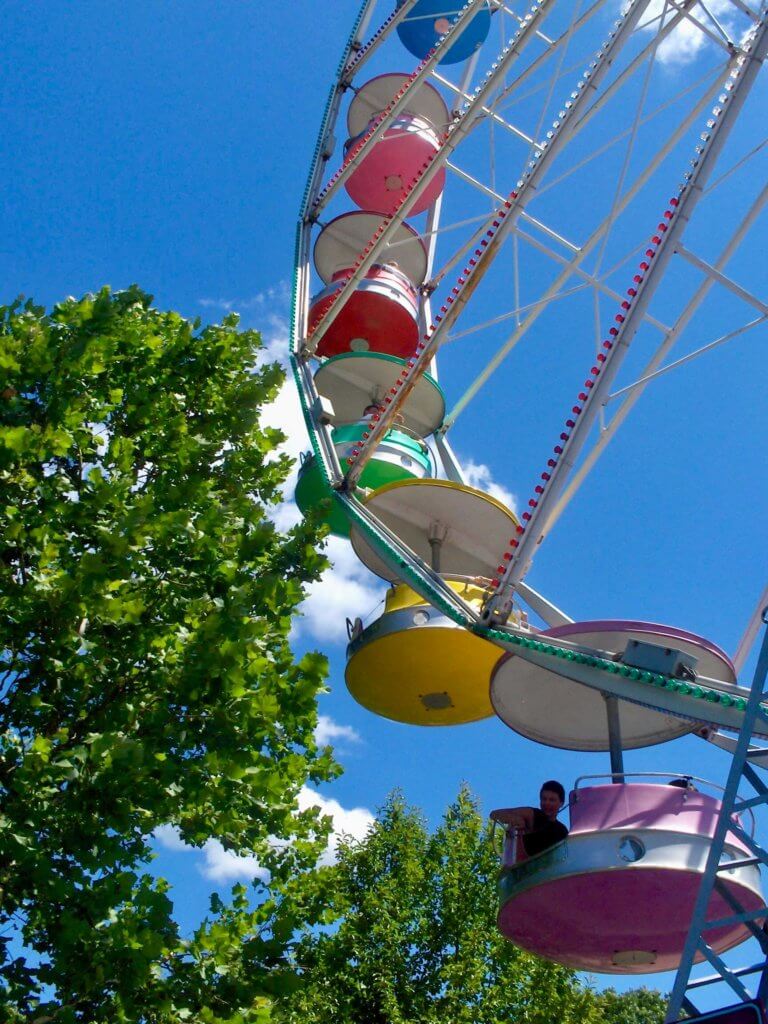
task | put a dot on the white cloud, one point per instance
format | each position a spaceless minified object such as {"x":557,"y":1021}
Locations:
{"x":346,"y":590}
{"x":253,"y":307}
{"x":286,"y":514}
{"x":684,"y":44}
{"x":328,"y":731}
{"x":168,"y":836}
{"x":354,"y":822}
{"x":224,"y":866}
{"x":478,"y":475}
{"x":219,"y":864}
{"x":266,"y":311}
{"x":285,"y":414}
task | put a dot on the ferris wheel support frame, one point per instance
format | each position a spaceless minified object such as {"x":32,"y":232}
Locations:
{"x":721,"y":706}
{"x":500,"y":223}
{"x":749,"y":60}
{"x":573,"y":266}
{"x":695,"y":943}
{"x":583,"y":252}
{"x":633,"y":392}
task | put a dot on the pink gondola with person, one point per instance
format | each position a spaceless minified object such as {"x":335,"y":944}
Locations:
{"x":616,"y":896}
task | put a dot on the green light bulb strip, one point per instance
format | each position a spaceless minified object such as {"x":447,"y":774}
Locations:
{"x":437,"y":599}
{"x":663,"y":682}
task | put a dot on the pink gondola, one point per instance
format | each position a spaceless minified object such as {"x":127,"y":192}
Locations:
{"x":386,"y":173}
{"x":616,"y":896}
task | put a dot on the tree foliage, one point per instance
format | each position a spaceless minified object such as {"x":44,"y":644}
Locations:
{"x":145,"y":673}
{"x":417,"y":943}
{"x":638,"y":1006}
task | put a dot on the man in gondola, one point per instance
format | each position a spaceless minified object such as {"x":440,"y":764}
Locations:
{"x":538,"y":826}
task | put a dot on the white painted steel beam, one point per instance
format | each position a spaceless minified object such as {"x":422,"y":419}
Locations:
{"x":729,"y":336}
{"x":598,"y":152}
{"x":716,"y":275}
{"x":462,"y":292}
{"x":744,"y":72}
{"x":578,"y":259}
{"x":562,"y":260}
{"x":487,"y":111}
{"x":499,"y":198}
{"x":549,"y":612}
{"x":554,"y":46}
{"x":650,"y":370}
{"x":449,"y":461}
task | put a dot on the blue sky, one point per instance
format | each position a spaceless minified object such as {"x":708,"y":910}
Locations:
{"x":167,"y":143}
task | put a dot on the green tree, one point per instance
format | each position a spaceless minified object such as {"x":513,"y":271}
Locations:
{"x":145,"y":673}
{"x":417,"y":942}
{"x":638,"y":1006}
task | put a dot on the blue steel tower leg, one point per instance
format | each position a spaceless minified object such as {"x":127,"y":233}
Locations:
{"x":696,"y":943}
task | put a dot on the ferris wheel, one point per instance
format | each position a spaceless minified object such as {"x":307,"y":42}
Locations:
{"x":527,"y":174}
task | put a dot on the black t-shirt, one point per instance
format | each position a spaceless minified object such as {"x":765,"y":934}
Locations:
{"x":545,"y":833}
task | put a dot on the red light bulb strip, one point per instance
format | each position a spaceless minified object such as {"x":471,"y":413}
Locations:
{"x":584,"y":396}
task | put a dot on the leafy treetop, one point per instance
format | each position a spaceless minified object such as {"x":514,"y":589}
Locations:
{"x":416,"y":940}
{"x":145,"y":672}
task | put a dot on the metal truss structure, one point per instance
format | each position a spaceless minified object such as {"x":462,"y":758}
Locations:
{"x":745,"y":759}
{"x":522,"y":241}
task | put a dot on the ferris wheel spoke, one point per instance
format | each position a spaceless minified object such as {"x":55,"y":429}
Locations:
{"x":522,"y":100}
{"x":634,"y":65}
{"x":717,"y":23}
{"x":598,"y":283}
{"x":737,"y":166}
{"x":558,"y":70}
{"x":460,"y":254}
{"x":712,"y":77}
{"x":726,"y":282}
{"x":510,"y":95}
{"x":518,"y":309}
{"x":486,"y":111}
{"x":744,"y":72}
{"x":524,"y":215}
{"x":629,"y":149}
{"x":518,"y":17}
{"x":672,"y":337}
{"x":745,"y":9}
{"x":729,"y":336}
{"x":719,"y":36}
{"x":577,"y":260}
{"x":630,"y":133}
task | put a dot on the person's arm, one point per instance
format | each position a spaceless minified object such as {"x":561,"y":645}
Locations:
{"x":517,"y":817}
